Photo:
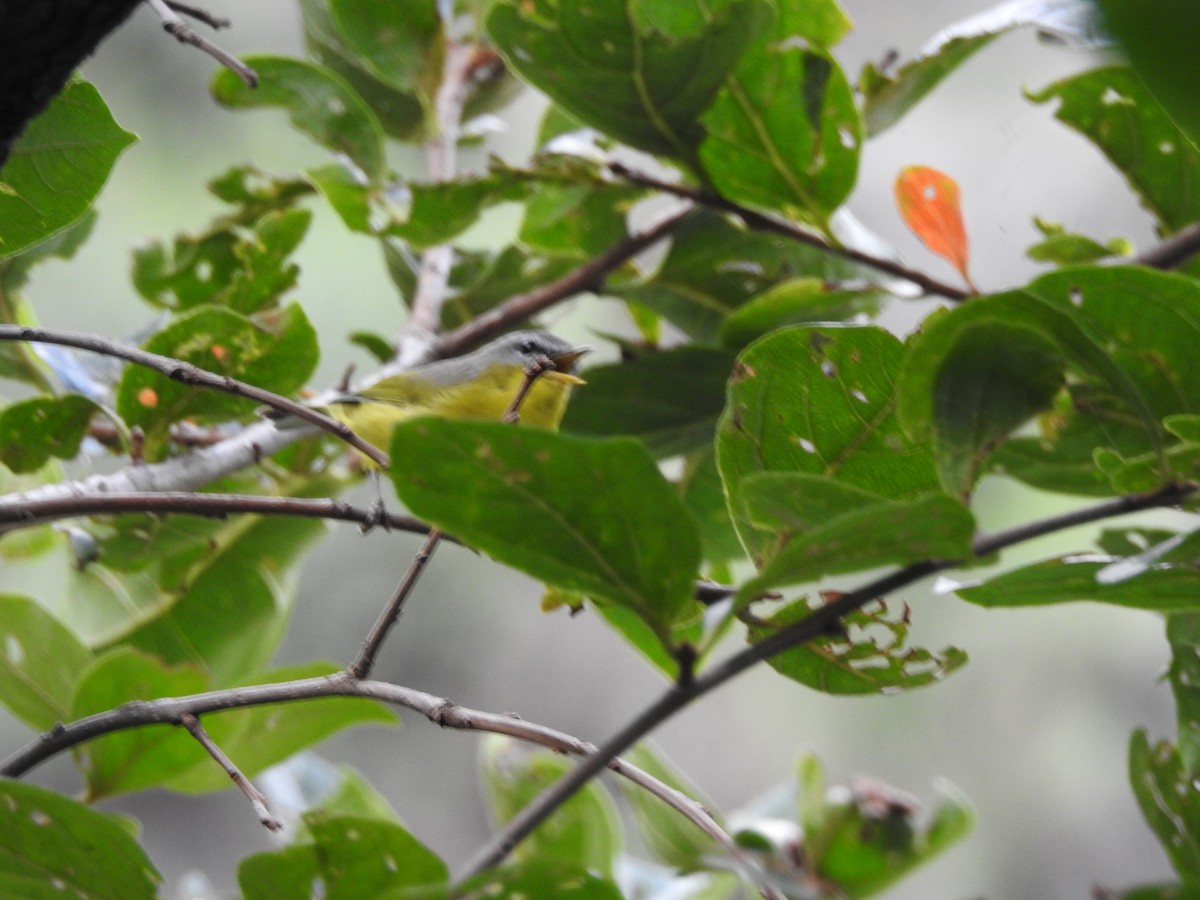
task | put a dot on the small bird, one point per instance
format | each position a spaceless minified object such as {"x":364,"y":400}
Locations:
{"x":479,"y":385}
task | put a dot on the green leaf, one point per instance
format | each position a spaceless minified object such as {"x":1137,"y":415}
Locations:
{"x":346,"y":193}
{"x":277,"y":353}
{"x":1164,"y":587}
{"x":789,"y":502}
{"x":672,"y":839}
{"x":1183,"y":633}
{"x":52,"y":846}
{"x":669,"y":400}
{"x":578,"y":220}
{"x":1169,"y":801}
{"x":887,"y":97}
{"x":702,"y":491}
{"x":57,"y":167}
{"x":243,"y":268}
{"x":872,"y":656}
{"x":260,"y":736}
{"x":891,"y":533}
{"x":1159,"y":42}
{"x":401,"y":44}
{"x":136,"y":758}
{"x":1063,"y":248}
{"x":638,"y":71}
{"x":1112,"y":108}
{"x":244,"y":576}
{"x":348,"y":858}
{"x":442,"y":210}
{"x":819,"y":401}
{"x":36,"y":430}
{"x":399,"y":112}
{"x":784,"y":132}
{"x":40,"y":663}
{"x":584,"y":832}
{"x":797,"y":301}
{"x":591,"y":516}
{"x":318,"y":102}
{"x":714,"y":267}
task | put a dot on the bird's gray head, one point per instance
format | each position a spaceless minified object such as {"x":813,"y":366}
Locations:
{"x":527,"y":348}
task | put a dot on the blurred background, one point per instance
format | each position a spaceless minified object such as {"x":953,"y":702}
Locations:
{"x":1034,"y":730}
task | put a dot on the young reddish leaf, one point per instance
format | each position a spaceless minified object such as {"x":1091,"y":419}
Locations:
{"x":928,"y":203}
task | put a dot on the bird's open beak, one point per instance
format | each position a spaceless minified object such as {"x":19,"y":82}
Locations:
{"x":564,"y":362}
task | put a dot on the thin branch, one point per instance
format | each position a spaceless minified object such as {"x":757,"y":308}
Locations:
{"x":200,"y":15}
{"x":589,"y":276}
{"x":189,"y":374}
{"x":361,"y":667}
{"x":762,"y":222}
{"x":818,"y":623}
{"x":18,"y":511}
{"x":182,"y":32}
{"x":1174,"y":251}
{"x":256,"y":797}
{"x":438,"y":710}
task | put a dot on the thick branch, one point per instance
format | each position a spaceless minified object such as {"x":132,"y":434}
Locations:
{"x":18,"y":511}
{"x":819,"y":622}
{"x":589,"y":276}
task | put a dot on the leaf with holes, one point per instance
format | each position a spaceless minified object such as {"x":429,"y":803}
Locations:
{"x":819,"y":401}
{"x":929,"y":205}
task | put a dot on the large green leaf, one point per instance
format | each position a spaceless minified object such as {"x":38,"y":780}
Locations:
{"x":784,"y":132}
{"x":401,"y":44}
{"x":40,"y":663}
{"x":590,"y":516}
{"x":1112,"y":108}
{"x":670,"y":400}
{"x":1160,"y":41}
{"x":640,"y":71}
{"x":52,"y":846}
{"x":819,"y":401}
{"x":318,"y":102}
{"x":672,"y":839}
{"x":57,"y":167}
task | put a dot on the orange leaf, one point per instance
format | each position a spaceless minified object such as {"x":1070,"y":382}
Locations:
{"x":928,"y":203}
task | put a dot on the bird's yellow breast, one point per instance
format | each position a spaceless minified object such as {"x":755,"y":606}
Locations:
{"x":376,"y":410}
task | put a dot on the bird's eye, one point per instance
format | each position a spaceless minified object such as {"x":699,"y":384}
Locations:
{"x":527,"y":346}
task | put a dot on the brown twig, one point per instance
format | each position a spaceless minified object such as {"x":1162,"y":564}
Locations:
{"x":200,"y":15}
{"x":189,"y":374}
{"x":813,"y":626}
{"x":183,"y":32}
{"x":589,"y":276}
{"x":256,"y":797}
{"x":1174,"y":251}
{"x":762,"y":222}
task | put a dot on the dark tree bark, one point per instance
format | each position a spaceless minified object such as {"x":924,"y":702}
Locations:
{"x":41,"y":44}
